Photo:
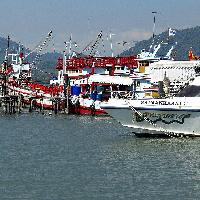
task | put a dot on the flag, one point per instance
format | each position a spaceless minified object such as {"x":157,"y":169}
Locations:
{"x":75,"y":44}
{"x":124,"y":42}
{"x":172,"y":32}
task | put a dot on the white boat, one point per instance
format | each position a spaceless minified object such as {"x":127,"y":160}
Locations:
{"x":172,"y":116}
{"x":168,"y":117}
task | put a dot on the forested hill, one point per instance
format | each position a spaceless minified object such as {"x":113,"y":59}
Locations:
{"x":185,"y":39}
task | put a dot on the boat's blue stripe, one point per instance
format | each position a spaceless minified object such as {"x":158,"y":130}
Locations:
{"x":158,"y":109}
{"x":112,"y":107}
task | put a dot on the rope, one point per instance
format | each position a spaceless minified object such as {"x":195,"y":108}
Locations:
{"x":165,"y":131}
{"x":93,"y":45}
{"x":41,"y":47}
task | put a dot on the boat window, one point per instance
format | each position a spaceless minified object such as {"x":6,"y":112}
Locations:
{"x":190,"y":91}
{"x":14,"y":58}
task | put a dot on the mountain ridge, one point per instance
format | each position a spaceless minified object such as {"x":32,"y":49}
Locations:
{"x":185,"y":38}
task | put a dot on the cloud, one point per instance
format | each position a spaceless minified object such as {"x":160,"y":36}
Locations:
{"x":121,"y":40}
{"x":135,"y":35}
{"x":127,"y":39}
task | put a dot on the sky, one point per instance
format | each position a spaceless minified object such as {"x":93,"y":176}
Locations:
{"x":29,"y":21}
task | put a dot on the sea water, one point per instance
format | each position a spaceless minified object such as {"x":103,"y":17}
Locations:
{"x":68,"y":157}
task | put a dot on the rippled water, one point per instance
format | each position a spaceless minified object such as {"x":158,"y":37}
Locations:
{"x":86,"y":158}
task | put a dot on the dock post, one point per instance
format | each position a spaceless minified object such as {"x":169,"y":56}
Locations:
{"x":66,"y":93}
{"x":30,"y":106}
{"x":14,"y":104}
{"x":9,"y":105}
{"x":55,"y":106}
{"x":5,"y":104}
{"x":19,"y":103}
{"x":41,"y":105}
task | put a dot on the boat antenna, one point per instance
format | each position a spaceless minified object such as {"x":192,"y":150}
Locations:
{"x":68,"y":46}
{"x":154,"y":23}
{"x":8,"y":41}
{"x":8,"y":45}
{"x":154,"y":26}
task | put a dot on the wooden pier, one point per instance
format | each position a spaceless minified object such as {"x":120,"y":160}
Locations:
{"x":13,"y":102}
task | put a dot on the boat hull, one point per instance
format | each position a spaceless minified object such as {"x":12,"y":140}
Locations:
{"x":166,"y":123}
{"x":85,"y":106}
{"x":83,"y":110}
{"x":119,"y":110}
{"x":168,"y":120}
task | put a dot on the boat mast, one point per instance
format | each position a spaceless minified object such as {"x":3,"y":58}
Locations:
{"x":111,"y":44}
{"x":70,"y":46}
{"x":5,"y":65}
{"x":66,"y":80}
{"x":8,"y":45}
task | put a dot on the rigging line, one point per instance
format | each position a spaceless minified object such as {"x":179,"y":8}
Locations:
{"x":96,"y":43}
{"x":87,"y":46}
{"x":104,"y":51}
{"x":41,"y":44}
{"x":165,"y":131}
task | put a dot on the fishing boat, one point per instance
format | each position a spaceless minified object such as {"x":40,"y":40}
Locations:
{"x":87,"y":81}
{"x":16,"y":78}
{"x":92,"y":80}
{"x":103,"y":87}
